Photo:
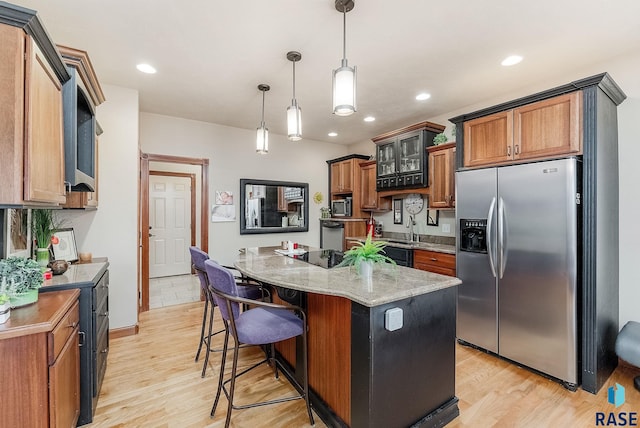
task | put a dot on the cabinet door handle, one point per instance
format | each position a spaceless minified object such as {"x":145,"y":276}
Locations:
{"x":508,"y":150}
{"x":73,"y":325}
{"x":104,"y":351}
{"x":105,"y":314}
{"x":81,"y":338}
{"x":517,"y":149}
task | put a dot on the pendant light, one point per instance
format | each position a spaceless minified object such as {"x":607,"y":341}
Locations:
{"x":262,"y":134}
{"x":294,"y":112}
{"x":344,"y":78}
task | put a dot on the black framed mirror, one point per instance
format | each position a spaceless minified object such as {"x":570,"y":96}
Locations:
{"x":268,"y":206}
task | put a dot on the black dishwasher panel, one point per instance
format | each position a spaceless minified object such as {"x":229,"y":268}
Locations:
{"x":402,"y":256}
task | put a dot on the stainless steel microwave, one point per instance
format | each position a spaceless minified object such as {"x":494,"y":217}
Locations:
{"x":341,"y":207}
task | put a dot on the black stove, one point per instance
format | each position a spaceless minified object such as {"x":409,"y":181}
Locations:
{"x":323,"y":258}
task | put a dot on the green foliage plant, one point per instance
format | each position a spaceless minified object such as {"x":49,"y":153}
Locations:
{"x":43,"y":223}
{"x":19,"y":275}
{"x":367,"y":251}
{"x":440,"y":139}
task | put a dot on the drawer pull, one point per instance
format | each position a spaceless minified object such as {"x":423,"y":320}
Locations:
{"x":433,"y":259}
{"x":105,"y":314}
{"x":73,"y":324}
{"x":104,"y":351}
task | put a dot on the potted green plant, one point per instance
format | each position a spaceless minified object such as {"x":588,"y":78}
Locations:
{"x":364,"y":255}
{"x":441,"y":138}
{"x":43,"y":225}
{"x":20,"y":279}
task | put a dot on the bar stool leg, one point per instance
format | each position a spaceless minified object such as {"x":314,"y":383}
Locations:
{"x":208,"y":341}
{"x":204,"y":321}
{"x":306,"y":373}
{"x":221,"y":376}
{"x":233,"y":382}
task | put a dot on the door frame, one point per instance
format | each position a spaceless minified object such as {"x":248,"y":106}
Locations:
{"x":192,"y":192}
{"x":143,"y":216}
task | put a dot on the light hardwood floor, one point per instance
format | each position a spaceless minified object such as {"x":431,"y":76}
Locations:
{"x":153,"y":381}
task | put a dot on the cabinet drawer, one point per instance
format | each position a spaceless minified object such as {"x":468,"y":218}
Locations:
{"x":434,"y":261}
{"x":435,"y":269}
{"x":62,"y":331}
{"x":100,"y":358}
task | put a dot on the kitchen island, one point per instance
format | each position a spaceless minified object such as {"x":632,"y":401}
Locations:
{"x":381,"y":351}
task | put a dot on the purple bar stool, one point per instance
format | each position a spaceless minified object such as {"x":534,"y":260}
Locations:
{"x":263,"y":324}
{"x":246,"y":289}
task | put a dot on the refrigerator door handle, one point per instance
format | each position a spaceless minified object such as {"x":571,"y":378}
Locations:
{"x":502,"y":245}
{"x":489,"y":229}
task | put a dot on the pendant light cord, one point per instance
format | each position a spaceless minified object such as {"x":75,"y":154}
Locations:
{"x":294,"y":80}
{"x":263,"y":108}
{"x":344,"y":31}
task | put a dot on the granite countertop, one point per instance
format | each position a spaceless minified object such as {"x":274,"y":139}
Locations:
{"x":388,"y":284}
{"x":79,"y":273}
{"x":405,"y":243}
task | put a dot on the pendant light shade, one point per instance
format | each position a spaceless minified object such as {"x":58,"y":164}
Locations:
{"x":294,"y":112}
{"x":262,"y":134}
{"x":344,"y":78}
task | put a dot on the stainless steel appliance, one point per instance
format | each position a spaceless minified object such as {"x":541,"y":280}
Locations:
{"x":518,"y":261}
{"x":341,"y":207}
{"x":331,"y":235}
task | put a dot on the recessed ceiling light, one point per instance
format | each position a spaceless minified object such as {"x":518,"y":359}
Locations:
{"x":369,"y":119}
{"x":146,"y":68}
{"x":332,"y":134}
{"x":511,"y":60}
{"x":423,"y":96}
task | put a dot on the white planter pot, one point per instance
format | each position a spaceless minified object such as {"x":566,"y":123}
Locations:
{"x":5,"y":312}
{"x":366,"y":269}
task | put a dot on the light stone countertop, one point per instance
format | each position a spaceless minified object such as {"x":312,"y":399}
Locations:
{"x":403,"y":243}
{"x":388,"y":284}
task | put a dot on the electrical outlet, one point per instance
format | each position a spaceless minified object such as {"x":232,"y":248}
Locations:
{"x":446,"y":228}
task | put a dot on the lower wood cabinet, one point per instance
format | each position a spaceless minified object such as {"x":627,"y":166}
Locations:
{"x":436,"y":262}
{"x":39,"y":350}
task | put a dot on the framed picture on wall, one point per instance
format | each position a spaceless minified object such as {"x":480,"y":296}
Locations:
{"x":64,"y":247}
{"x":16,"y":224}
{"x":432,"y":217}
{"x":397,"y":211}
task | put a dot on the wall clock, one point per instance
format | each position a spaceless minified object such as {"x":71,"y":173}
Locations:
{"x":413,"y":203}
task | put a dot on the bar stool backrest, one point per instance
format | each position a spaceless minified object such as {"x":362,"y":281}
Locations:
{"x":223,"y":280}
{"x":198,"y":257}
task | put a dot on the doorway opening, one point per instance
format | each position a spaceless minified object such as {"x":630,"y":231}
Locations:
{"x":144,"y":231}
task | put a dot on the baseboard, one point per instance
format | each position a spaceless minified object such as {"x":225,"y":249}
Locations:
{"x":123,"y":332}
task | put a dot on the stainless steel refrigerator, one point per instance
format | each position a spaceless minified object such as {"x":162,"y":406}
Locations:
{"x":518,"y":260}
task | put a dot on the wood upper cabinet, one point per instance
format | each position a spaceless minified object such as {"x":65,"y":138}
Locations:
{"x":489,"y":139}
{"x":369,"y":197}
{"x":548,"y":128}
{"x":539,"y":130}
{"x":442,"y":175}
{"x":31,"y":129}
{"x":342,"y":176}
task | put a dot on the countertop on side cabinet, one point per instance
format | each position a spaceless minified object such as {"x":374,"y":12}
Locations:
{"x":402,"y":243}
{"x":389,"y":284}
{"x":80,"y":273}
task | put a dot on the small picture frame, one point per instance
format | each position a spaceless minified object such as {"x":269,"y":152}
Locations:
{"x":65,"y":248}
{"x":432,"y":217}
{"x":397,"y":211}
{"x":16,"y":224}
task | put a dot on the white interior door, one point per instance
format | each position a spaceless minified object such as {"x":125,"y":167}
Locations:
{"x":170,"y":228}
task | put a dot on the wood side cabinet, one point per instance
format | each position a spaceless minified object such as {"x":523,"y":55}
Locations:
{"x":370,"y":200}
{"x":539,"y":130}
{"x":31,"y":130}
{"x":39,"y":350}
{"x":442,"y":175}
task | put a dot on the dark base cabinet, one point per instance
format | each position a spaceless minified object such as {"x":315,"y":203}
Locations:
{"x":92,"y":280}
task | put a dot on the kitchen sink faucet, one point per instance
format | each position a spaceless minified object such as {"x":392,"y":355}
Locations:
{"x":410,"y":224}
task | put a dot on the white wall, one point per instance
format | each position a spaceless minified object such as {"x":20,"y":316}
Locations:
{"x":231,"y":153}
{"x":112,"y":229}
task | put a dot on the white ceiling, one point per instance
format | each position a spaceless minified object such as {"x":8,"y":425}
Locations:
{"x":212,"y":54}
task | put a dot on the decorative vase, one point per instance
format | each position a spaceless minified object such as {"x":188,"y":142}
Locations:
{"x":366,"y":269}
{"x":42,"y":257}
{"x":24,"y":299}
